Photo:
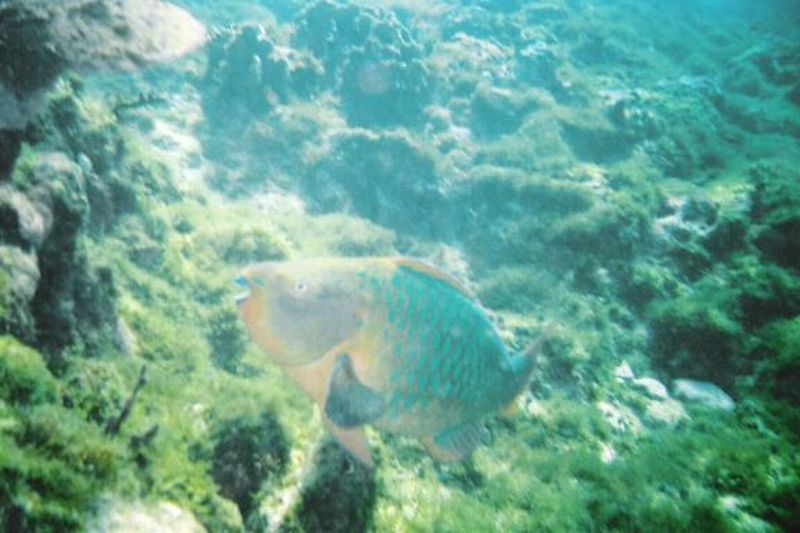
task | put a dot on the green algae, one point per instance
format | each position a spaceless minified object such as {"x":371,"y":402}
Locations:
{"x":24,"y":377}
{"x":53,"y":462}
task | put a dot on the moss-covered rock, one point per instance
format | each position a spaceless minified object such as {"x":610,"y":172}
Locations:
{"x":387,"y":178}
{"x":19,"y":278}
{"x":776,"y":208}
{"x":24,"y":378}
{"x":53,"y":462}
{"x":496,"y":111}
{"x":371,"y":59}
{"x":698,"y":334}
{"x":248,"y":452}
{"x":776,"y":347}
{"x":96,"y":388}
{"x":338,"y":493}
{"x":249,"y":73}
{"x":227,"y":338}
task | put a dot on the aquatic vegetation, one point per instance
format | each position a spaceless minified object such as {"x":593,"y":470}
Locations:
{"x":386,"y":178}
{"x":53,"y":462}
{"x":334,"y":472}
{"x":622,"y":171}
{"x":24,"y":377}
{"x":247,"y":452}
{"x":776,"y":350}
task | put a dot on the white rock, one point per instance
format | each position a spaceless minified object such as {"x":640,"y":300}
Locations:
{"x":623,"y":372}
{"x":85,"y":163}
{"x":653,"y":387}
{"x":534,"y":408}
{"x":620,"y":417}
{"x":128,"y":517}
{"x":744,"y":522}
{"x":607,"y":453}
{"x":704,"y":393}
{"x":667,"y":412}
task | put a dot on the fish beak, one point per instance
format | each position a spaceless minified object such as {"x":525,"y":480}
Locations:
{"x":241,"y":283}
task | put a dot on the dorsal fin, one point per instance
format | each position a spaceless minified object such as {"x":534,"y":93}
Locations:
{"x":430,"y":270}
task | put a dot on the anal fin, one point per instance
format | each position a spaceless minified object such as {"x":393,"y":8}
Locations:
{"x":455,"y":443}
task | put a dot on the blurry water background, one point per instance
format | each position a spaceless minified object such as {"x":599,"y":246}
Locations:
{"x":624,"y":170}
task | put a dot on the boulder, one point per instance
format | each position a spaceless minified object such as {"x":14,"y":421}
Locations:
{"x":654,"y":388}
{"x":128,"y":517}
{"x":40,"y":39}
{"x":704,"y":393}
{"x":666,"y":412}
{"x":371,"y":59}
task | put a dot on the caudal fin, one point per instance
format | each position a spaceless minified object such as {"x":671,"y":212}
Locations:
{"x":523,"y":363}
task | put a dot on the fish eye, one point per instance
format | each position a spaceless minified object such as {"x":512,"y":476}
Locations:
{"x":300,"y":287}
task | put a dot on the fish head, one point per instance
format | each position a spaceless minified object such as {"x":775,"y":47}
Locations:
{"x":299,"y":310}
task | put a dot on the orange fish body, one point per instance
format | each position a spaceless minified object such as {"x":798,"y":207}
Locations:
{"x":390,"y":342}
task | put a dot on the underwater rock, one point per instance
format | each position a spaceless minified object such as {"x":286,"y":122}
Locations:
{"x":778,"y":63}
{"x":96,"y":388}
{"x":15,"y":112}
{"x":40,"y":39}
{"x":704,"y":393}
{"x":227,"y":338}
{"x":495,"y":111}
{"x":628,"y":111}
{"x":118,"y":516}
{"x":666,"y":412}
{"x":601,"y":145}
{"x":461,"y":62}
{"x":21,"y":272}
{"x":775,"y":206}
{"x":624,"y":372}
{"x":654,"y":388}
{"x":249,"y":73}
{"x":248,"y":452}
{"x":656,"y":407}
{"x":685,"y":231}
{"x":24,"y":378}
{"x":794,"y":95}
{"x":70,"y":298}
{"x":371,"y":59}
{"x":538,"y":64}
{"x":338,"y":494}
{"x":19,"y":277}
{"x":384,"y":177}
{"x":25,"y":219}
{"x":480,"y":21}
{"x":620,"y":417}
{"x":10,"y":143}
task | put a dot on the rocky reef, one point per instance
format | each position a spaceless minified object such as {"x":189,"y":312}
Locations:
{"x":626,"y":172}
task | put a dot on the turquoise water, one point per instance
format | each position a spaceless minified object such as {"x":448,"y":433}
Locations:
{"x":619,"y":176}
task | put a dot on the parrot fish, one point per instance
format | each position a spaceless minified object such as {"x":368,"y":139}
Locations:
{"x":391,"y":342}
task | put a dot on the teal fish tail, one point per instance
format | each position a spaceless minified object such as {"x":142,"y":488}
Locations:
{"x":523,"y":363}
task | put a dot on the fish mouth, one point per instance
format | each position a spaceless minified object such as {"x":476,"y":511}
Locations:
{"x":240,"y":282}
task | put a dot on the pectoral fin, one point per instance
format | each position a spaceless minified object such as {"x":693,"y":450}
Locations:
{"x":350,"y":403}
{"x":456,"y":443}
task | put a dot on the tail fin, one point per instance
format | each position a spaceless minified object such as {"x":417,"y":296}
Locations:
{"x":523,"y":363}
